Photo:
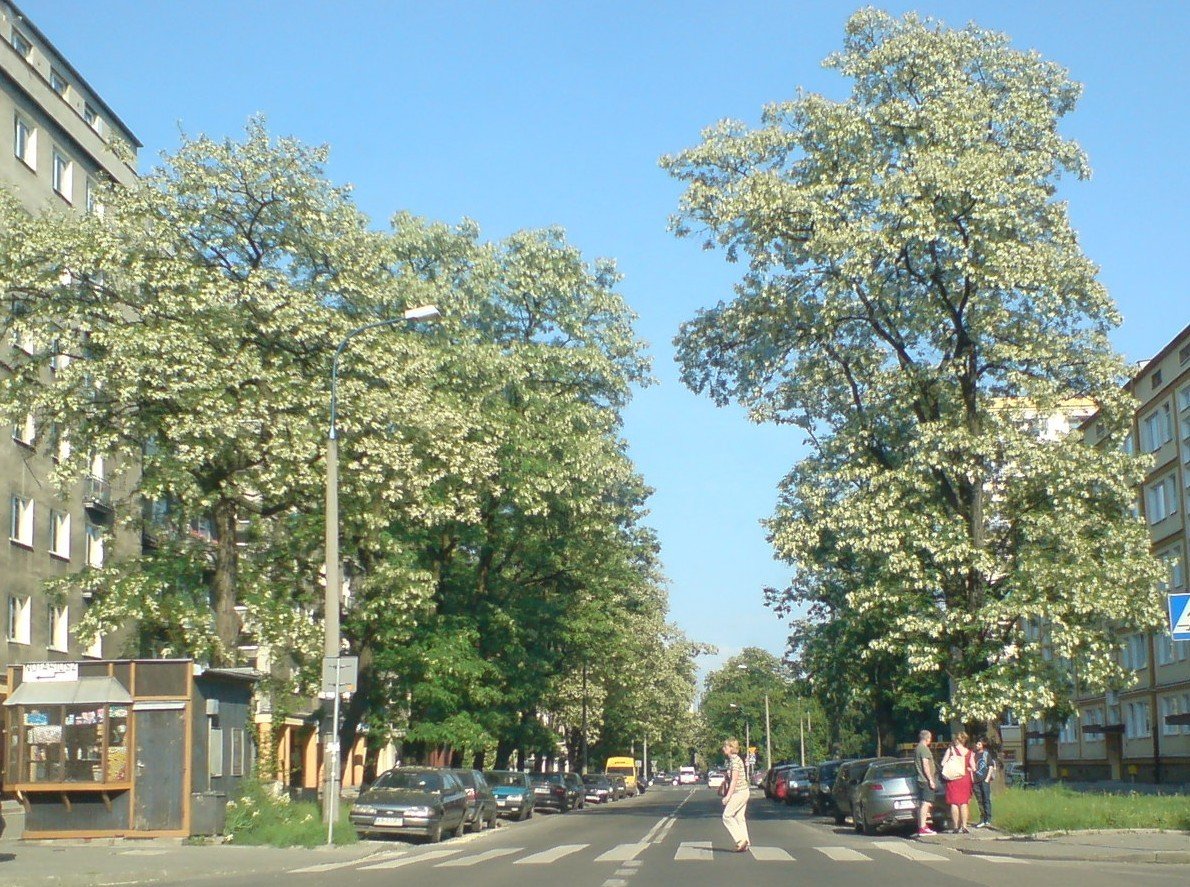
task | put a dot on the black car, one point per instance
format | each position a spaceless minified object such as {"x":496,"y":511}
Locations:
{"x":576,"y":789}
{"x":550,"y":792}
{"x":847,"y":781}
{"x":481,"y":803}
{"x":821,"y":802}
{"x":513,"y":791}
{"x":412,"y":801}
{"x":599,"y":788}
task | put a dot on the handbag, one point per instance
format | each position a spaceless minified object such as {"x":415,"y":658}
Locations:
{"x":727,"y":779}
{"x":952,"y":767}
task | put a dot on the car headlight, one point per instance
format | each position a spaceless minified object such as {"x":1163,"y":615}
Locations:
{"x":364,"y":810}
{"x":419,"y":812}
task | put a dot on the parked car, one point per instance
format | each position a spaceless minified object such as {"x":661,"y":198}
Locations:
{"x":619,"y":787}
{"x":715,"y":778}
{"x":847,"y":780}
{"x":577,"y":791}
{"x":412,"y":801}
{"x":799,"y":785}
{"x":687,"y":776}
{"x":482,"y":810}
{"x":770,"y":777}
{"x":887,"y":799}
{"x":820,"y":798}
{"x":513,"y":792}
{"x":550,"y":792}
{"x":599,"y":788}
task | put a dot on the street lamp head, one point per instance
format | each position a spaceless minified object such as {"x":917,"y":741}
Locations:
{"x":422,"y":312}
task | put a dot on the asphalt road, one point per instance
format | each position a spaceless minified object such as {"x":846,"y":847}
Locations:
{"x":673,"y":836}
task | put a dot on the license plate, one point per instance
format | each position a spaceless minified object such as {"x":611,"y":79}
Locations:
{"x":396,"y":821}
{"x":903,"y":805}
{"x":541,"y":791}
{"x":500,"y":802}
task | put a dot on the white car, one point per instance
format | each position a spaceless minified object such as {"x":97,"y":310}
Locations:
{"x":715,"y":778}
{"x":687,"y":776}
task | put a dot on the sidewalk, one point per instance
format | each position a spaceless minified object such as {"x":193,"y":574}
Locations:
{"x":1122,"y":845}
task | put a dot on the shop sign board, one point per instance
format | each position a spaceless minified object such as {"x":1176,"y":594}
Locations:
{"x":49,"y":672}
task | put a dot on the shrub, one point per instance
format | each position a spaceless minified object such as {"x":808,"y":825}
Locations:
{"x":260,"y":816}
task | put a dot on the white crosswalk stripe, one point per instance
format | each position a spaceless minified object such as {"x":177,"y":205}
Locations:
{"x":770,"y":854}
{"x":908,"y":851}
{"x":843,"y":854}
{"x":545,"y":857}
{"x":409,"y":860}
{"x":477,"y":858}
{"x":1009,"y":859}
{"x":621,"y":853}
{"x":695,"y":850}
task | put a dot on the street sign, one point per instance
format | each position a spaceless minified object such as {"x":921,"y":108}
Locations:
{"x":1179,"y":616}
{"x":339,"y":674}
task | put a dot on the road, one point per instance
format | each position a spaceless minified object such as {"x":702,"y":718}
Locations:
{"x":673,"y":835}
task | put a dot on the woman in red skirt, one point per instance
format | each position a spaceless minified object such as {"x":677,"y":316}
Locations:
{"x":958,"y":765}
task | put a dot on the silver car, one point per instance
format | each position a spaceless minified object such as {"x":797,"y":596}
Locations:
{"x":887,"y":799}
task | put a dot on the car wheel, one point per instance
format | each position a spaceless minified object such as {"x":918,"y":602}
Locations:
{"x":461,"y":828}
{"x":435,"y":834}
{"x":857,"y":819}
{"x":524,"y":814}
{"x":478,"y":824}
{"x":869,"y":828}
{"x":840,"y":816}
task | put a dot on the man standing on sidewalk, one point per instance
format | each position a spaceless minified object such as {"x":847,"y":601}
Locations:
{"x":927,"y":775}
{"x":983,"y":775}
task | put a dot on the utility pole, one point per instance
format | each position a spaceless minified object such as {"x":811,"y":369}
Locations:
{"x":768,"y":737}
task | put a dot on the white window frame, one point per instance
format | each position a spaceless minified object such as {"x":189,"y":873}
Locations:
{"x":1184,"y":399}
{"x":60,"y":534}
{"x":1161,"y":499}
{"x":91,"y":116}
{"x":94,"y":546}
{"x":1156,"y":429}
{"x":59,"y":639}
{"x":1164,"y":645}
{"x":24,"y":141}
{"x":1136,"y":652}
{"x":25,"y":432}
{"x":21,"y":44}
{"x":20,"y":620}
{"x":1170,"y":705}
{"x":21,"y":527}
{"x":1138,"y":723}
{"x":58,"y":83}
{"x":98,"y":467}
{"x":1068,"y":734}
{"x":62,"y":176}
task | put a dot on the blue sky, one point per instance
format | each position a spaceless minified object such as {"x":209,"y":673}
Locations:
{"x":521,"y":115}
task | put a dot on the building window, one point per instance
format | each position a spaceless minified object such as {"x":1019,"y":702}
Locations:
{"x":94,"y":546}
{"x":1186,"y":707}
{"x":94,"y":206}
{"x":59,"y":628}
{"x":1175,"y":570}
{"x":24,"y":142}
{"x":1069,"y":732}
{"x":57,"y":82}
{"x":25,"y":432}
{"x":63,"y":174}
{"x":1184,"y":397}
{"x":237,"y":751}
{"x":95,"y":650}
{"x":22,"y":521}
{"x":1136,"y":722}
{"x":1156,"y":429}
{"x":60,"y":534}
{"x":1156,"y":380}
{"x":21,"y":44}
{"x":20,"y":623}
{"x":1170,"y":705}
{"x":90,"y":116}
{"x":215,"y":753}
{"x":1136,"y":652}
{"x":1161,"y":499}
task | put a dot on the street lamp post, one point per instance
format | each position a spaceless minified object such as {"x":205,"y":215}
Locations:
{"x":330,"y":743}
{"x":768,"y":734}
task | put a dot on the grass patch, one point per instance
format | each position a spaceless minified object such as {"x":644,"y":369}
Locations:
{"x":1057,"y":808}
{"x":259,"y":817}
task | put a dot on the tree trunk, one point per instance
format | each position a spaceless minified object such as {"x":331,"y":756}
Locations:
{"x":477,"y":761}
{"x":504,"y":751}
{"x":223,"y":582}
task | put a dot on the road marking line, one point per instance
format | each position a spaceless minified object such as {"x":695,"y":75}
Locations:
{"x":323,"y":867}
{"x":770,"y":854}
{"x":633,"y":863}
{"x":551,"y":855}
{"x":397,"y":863}
{"x":908,"y":851}
{"x":664,"y":833}
{"x":479,"y":857}
{"x":656,"y":828}
{"x":998,"y":858}
{"x":621,"y":853}
{"x":843,"y":854}
{"x":625,"y":873}
{"x":695,"y":850}
{"x":615,"y":882}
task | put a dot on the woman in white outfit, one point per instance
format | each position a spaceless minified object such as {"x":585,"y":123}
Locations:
{"x":735,"y":796}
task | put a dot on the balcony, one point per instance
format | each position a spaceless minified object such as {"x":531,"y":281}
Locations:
{"x":97,"y":496}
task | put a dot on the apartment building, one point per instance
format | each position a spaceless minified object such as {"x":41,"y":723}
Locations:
{"x":62,"y":138}
{"x":1138,"y":734}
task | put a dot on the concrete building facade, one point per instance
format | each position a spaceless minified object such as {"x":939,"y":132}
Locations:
{"x":61,"y":140}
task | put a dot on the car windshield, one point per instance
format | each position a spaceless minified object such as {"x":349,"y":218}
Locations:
{"x":555,"y":778}
{"x":592,"y":779}
{"x":416,"y":781}
{"x":505,"y":777}
{"x":827,"y":771}
{"x":891,"y":771}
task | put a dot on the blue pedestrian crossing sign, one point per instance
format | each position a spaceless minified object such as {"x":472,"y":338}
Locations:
{"x":1179,"y":616}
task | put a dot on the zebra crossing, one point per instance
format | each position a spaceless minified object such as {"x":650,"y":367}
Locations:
{"x":626,"y":855}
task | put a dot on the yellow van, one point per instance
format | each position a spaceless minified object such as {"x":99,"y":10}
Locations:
{"x":622,"y":766}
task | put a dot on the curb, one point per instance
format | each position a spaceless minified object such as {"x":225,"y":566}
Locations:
{"x":1164,"y":857}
